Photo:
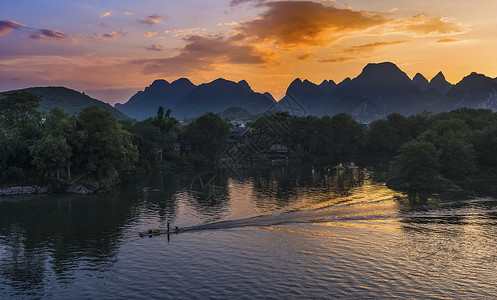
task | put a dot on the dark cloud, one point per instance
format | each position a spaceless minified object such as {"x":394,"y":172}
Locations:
{"x":239,"y":2}
{"x":44,"y":34}
{"x":157,"y":48}
{"x":341,"y":59}
{"x":150,"y":20}
{"x":304,"y":56}
{"x":366,"y":47}
{"x":110,"y":35}
{"x":7,"y":26}
{"x":202,"y":53}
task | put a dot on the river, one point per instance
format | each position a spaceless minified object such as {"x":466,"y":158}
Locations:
{"x":304,"y":231}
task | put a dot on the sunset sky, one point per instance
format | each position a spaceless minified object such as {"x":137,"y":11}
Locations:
{"x":110,"y":49}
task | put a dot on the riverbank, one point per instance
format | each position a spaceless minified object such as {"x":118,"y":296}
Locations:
{"x":23,"y":190}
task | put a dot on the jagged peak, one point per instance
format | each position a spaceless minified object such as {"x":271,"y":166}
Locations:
{"x":244,"y":84}
{"x":476,"y":77}
{"x":182,"y":81}
{"x":327,"y":83}
{"x":440,"y":77}
{"x":419,"y":76}
{"x":267,"y":94}
{"x":159,"y":82}
{"x":296,"y":81}
{"x":345,"y":81}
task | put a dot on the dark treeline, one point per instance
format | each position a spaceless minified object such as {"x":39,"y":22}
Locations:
{"x":92,"y":145}
{"x":59,"y":149}
{"x":427,"y":148}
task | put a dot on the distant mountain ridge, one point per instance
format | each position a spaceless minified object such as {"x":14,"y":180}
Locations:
{"x":187,"y":100}
{"x":70,"y":100}
{"x":145,"y":103}
{"x":380,"y":89}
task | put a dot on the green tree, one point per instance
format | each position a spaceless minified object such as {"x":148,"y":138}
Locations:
{"x":417,"y":160}
{"x":347,"y":134}
{"x":50,"y":154}
{"x":208,"y":135}
{"x":18,"y":108}
{"x":106,"y":147}
{"x":54,"y":150}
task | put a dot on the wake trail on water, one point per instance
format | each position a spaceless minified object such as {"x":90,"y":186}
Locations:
{"x":341,"y":212}
{"x":387,"y":210}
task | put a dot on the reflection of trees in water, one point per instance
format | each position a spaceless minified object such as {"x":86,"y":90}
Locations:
{"x":157,"y":192}
{"x":458,"y":208}
{"x":54,"y":232}
{"x":283,"y":186}
{"x":209,"y":194}
{"x":22,"y":263}
{"x":445,"y":228}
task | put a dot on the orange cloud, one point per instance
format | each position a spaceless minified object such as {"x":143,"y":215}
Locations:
{"x":104,"y":14}
{"x":424,"y":25}
{"x":150,"y":34}
{"x":448,"y":40}
{"x":186,"y":32}
{"x":229,"y":24}
{"x":366,"y":47}
{"x":7,"y":26}
{"x":307,"y":23}
{"x":296,"y":23}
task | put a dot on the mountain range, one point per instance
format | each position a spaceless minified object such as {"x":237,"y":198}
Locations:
{"x":380,"y":89}
{"x":187,"y":100}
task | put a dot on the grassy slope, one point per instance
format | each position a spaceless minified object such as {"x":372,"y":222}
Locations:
{"x":71,"y":101}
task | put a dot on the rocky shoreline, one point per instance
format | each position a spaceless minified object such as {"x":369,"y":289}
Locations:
{"x":23,"y":190}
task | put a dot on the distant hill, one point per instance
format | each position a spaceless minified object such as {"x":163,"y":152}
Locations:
{"x":474,"y":90}
{"x":440,"y":84}
{"x":308,"y":97}
{"x":187,"y":100}
{"x":236,"y":113}
{"x":421,"y":82}
{"x":70,"y":100}
{"x":379,"y":90}
{"x":145,"y":104}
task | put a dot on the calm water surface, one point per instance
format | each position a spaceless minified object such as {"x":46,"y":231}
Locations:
{"x":292,"y":232}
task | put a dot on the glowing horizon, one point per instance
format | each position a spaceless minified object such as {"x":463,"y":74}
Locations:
{"x":112,"y":50}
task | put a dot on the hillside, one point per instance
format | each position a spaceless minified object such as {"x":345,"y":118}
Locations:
{"x":70,"y":100}
{"x":144,"y":104}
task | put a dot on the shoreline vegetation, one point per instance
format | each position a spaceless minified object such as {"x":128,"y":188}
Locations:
{"x":85,"y":153}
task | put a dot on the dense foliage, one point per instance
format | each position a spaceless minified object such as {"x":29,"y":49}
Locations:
{"x":61,"y":146}
{"x":93,"y":144}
